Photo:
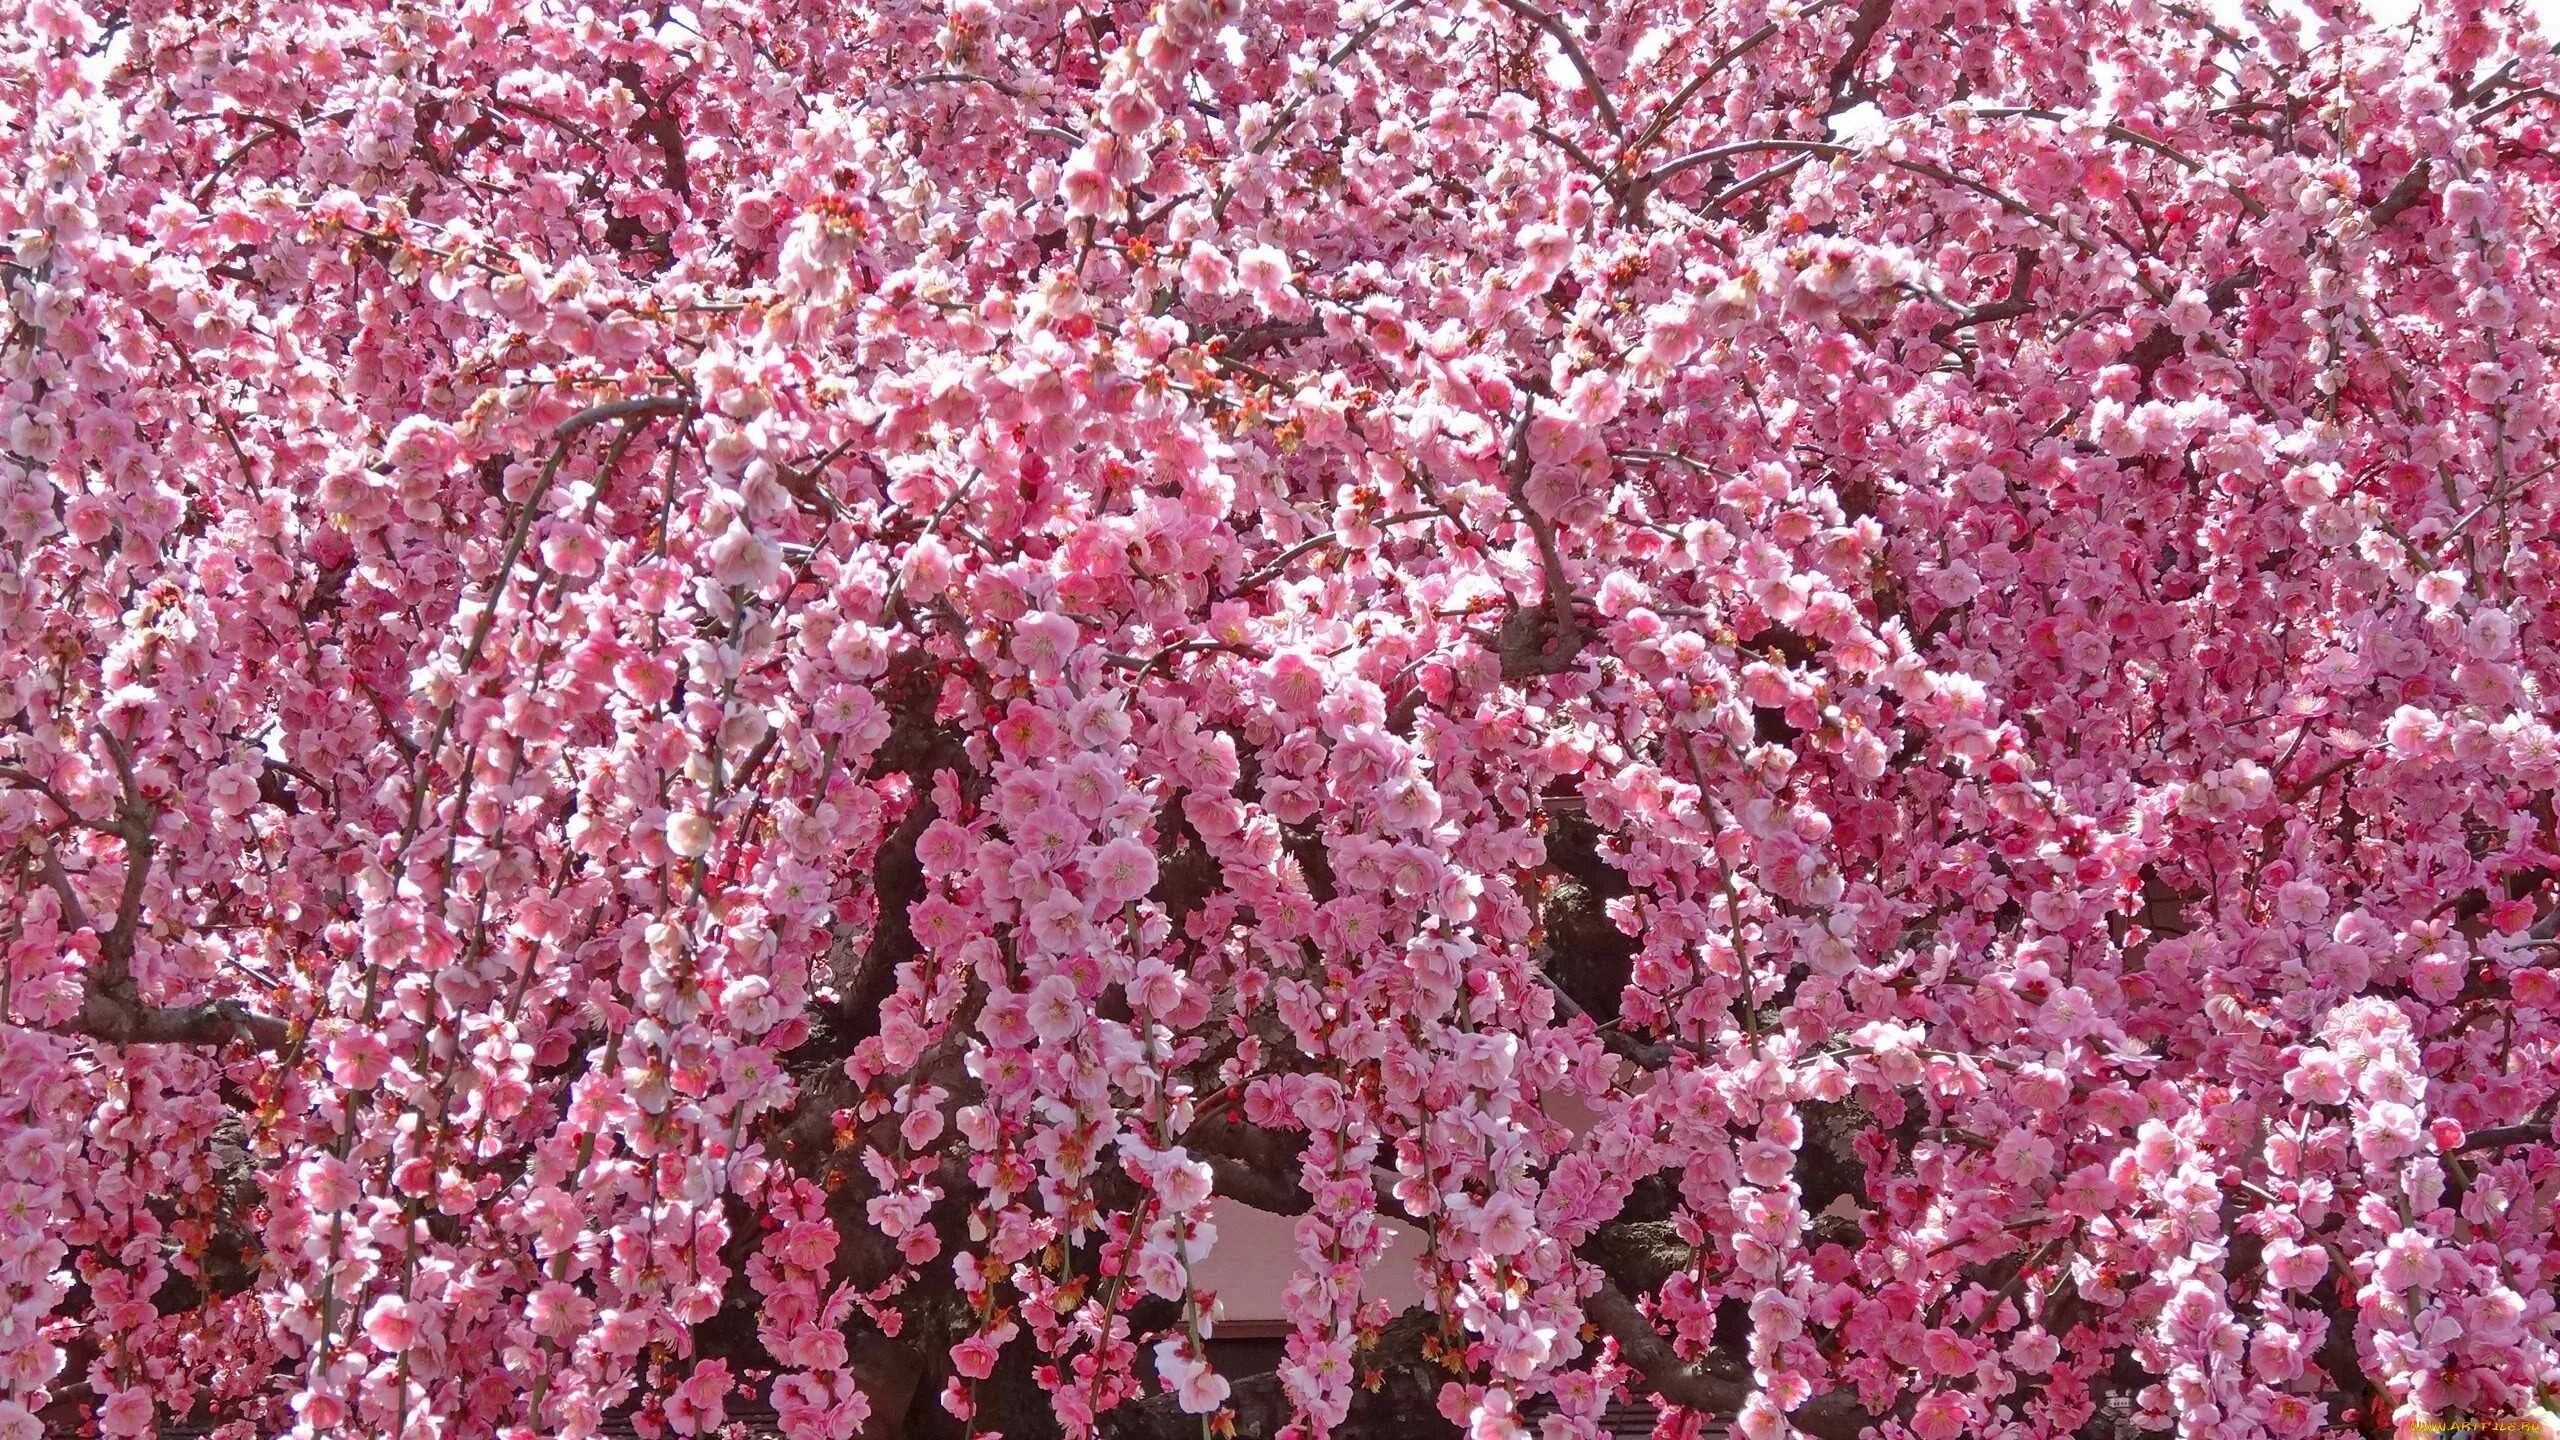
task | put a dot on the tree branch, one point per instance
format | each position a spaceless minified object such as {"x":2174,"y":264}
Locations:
{"x":1834,"y":1415}
{"x":1529,"y":648}
{"x":1252,"y":341}
{"x":1250,"y":1165}
{"x":1573,"y":54}
{"x":119,"y":1020}
{"x":1642,"y":187}
{"x":1682,"y":1382}
{"x":2411,"y":189}
{"x":659,"y":124}
{"x":73,"y":913}
{"x":2160,"y":343}
{"x":2501,"y":1136}
{"x":2009,"y":307}
{"x":1863,"y":29}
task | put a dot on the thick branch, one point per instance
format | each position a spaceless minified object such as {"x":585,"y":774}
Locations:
{"x":659,"y":123}
{"x":1863,"y":29}
{"x":2160,"y":343}
{"x":2499,"y":1137}
{"x":1834,"y":1415}
{"x":1252,"y":341}
{"x":2019,"y":301}
{"x":920,"y":747}
{"x":1250,"y":1165}
{"x":1679,"y":1381}
{"x":122,"y":1021}
{"x":1401,"y":1405}
{"x":2411,"y":189}
{"x":1531,"y":644}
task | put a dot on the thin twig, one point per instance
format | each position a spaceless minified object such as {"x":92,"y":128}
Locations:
{"x":1573,"y":55}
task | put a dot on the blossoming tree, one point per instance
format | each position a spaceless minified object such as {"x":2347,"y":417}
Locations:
{"x":724,"y":706}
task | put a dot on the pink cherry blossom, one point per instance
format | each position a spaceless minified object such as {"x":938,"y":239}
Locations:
{"x":1839,"y":720}
{"x":391,"y":1323}
{"x":1055,"y":1011}
{"x":1123,"y":870}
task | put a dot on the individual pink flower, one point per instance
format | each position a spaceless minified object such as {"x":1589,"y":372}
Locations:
{"x":921,"y":1127}
{"x":1494,"y":1417}
{"x":2408,"y":1262}
{"x":1941,"y":1415}
{"x":1505,"y":1225}
{"x":743,"y":559}
{"x":1123,"y":870}
{"x":2295,"y":1266}
{"x":1006,"y":1020}
{"x":1196,"y":1388}
{"x":1206,"y":271}
{"x":2034,"y":1351}
{"x":328,"y":1184}
{"x":1946,"y":1352}
{"x":422,"y":444}
{"x":695,"y":1407}
{"x":689,"y":834}
{"x":2414,"y":732}
{"x":2440,"y":587}
{"x":557,"y":1311}
{"x":1086,"y":185}
{"x":391,"y":1323}
{"x":1408,"y":803}
{"x":127,"y":1412}
{"x":1264,"y":271}
{"x":2318,"y":1079}
{"x":975,"y":1357}
{"x":574,"y":550}
{"x":749,"y":1003}
{"x":2302,"y":902}
{"x":233,"y":789}
{"x":358,"y":1059}
{"x":2388,"y":1131}
{"x":1776,"y":1317}
{"x":1055,"y":1011}
{"x":1042,"y":641}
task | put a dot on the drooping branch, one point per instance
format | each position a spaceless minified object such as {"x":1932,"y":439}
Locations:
{"x":634,"y":408}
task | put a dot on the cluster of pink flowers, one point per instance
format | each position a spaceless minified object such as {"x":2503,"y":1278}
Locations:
{"x":724,"y":709}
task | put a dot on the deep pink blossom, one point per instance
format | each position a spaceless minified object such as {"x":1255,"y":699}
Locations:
{"x":1838,"y":715}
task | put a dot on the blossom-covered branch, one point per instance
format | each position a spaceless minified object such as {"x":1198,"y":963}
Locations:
{"x":1833,"y":717}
